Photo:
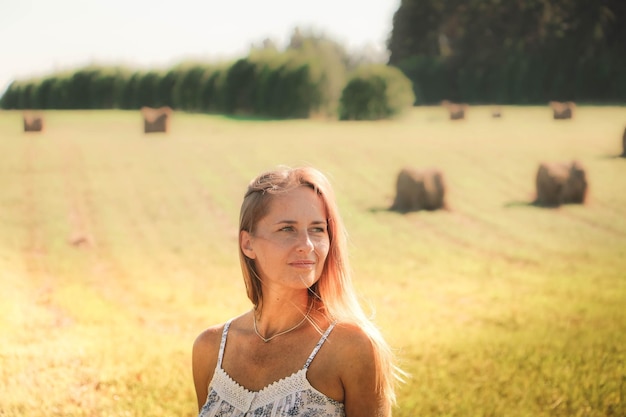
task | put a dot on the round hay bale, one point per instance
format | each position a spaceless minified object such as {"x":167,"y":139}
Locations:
{"x":32,"y":122}
{"x":156,"y":119}
{"x":561,"y":183}
{"x":496,"y":113}
{"x":562,"y":111}
{"x":455,"y":110}
{"x":624,"y":143}
{"x":549,"y":181}
{"x":419,"y":190}
{"x":575,"y":188}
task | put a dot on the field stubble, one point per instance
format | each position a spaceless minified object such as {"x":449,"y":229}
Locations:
{"x":118,"y":248}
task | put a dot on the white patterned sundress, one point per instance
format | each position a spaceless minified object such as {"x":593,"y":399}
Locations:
{"x":292,"y":396}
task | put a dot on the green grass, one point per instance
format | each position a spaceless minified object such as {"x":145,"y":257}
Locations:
{"x":495,"y":307}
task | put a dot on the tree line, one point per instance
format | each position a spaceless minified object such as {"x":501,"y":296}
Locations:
{"x":512,"y":51}
{"x":307,"y":78}
{"x":472,"y":51}
{"x":264,"y":83}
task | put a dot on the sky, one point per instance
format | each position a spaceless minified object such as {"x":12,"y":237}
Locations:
{"x":39,"y":37}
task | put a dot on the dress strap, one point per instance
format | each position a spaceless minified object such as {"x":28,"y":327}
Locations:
{"x":220,"y":355}
{"x":319,"y":345}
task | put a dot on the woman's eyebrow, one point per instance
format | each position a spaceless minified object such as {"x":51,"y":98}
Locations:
{"x":286,"y":222}
{"x":315,"y":222}
{"x":319,"y":222}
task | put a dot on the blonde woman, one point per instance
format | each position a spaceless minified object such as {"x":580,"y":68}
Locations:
{"x":306,"y":348}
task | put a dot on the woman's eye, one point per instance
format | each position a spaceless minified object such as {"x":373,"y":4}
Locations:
{"x":287,"y":229}
{"x":319,"y":230}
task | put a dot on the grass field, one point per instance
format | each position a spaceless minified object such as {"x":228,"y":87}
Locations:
{"x":118,"y":248}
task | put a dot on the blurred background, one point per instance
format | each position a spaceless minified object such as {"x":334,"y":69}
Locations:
{"x":128,"y":54}
{"x":500,"y":294}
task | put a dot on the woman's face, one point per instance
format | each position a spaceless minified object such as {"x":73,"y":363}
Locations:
{"x":291,"y":242}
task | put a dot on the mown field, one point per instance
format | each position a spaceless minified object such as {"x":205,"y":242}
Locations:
{"x":118,"y":248}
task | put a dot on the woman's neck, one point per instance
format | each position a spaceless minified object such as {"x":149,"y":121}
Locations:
{"x":275,"y":315}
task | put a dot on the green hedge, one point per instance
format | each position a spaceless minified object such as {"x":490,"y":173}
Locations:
{"x":291,"y":84}
{"x":375,"y":92}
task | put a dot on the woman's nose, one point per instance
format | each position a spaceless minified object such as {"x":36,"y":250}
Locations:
{"x":305,"y":244}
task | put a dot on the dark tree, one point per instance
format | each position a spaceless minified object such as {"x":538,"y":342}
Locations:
{"x":517,"y":50}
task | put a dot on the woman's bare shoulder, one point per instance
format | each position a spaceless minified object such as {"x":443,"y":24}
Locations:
{"x":209,"y":337}
{"x":357,"y":356}
{"x":350,"y":339}
{"x":204,"y":359}
{"x":205,"y":351}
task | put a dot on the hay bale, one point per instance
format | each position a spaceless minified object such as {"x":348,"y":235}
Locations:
{"x":33,"y":122}
{"x":455,"y":110}
{"x":156,"y":119}
{"x":562,"y":111}
{"x":561,"y":183}
{"x":496,"y":113}
{"x":624,"y":144}
{"x":419,"y":190}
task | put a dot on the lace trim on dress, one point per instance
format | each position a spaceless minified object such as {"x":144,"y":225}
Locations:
{"x":243,"y":399}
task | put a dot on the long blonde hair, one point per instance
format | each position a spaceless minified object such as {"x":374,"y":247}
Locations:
{"x":334,"y":289}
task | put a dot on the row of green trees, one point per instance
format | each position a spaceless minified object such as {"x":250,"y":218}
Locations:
{"x":274,"y":86}
{"x":307,"y":78}
{"x":489,"y":51}
{"x":516,"y":52}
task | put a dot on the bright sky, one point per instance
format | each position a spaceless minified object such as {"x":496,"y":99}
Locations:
{"x":42,"y":36}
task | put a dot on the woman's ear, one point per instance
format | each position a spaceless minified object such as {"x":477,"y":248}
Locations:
{"x":245,"y":243}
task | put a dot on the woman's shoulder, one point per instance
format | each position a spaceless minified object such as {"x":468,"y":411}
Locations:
{"x":206,"y":347}
{"x":347,"y":370}
{"x":351,"y":342}
{"x":212,"y":336}
{"x":209,"y":336}
{"x":205,"y":352}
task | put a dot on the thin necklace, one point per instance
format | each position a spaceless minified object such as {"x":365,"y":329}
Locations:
{"x":284,"y":331}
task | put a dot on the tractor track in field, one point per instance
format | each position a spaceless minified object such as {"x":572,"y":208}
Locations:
{"x":594,"y":224}
{"x":79,"y":199}
{"x":506,"y":185}
{"x":613,"y":211}
{"x":105,"y":274}
{"x":34,"y":247}
{"x":496,"y":230}
{"x":446,"y":232}
{"x":35,"y":252}
{"x":456,"y":240}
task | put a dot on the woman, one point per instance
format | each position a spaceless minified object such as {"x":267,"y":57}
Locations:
{"x":306,"y":348}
